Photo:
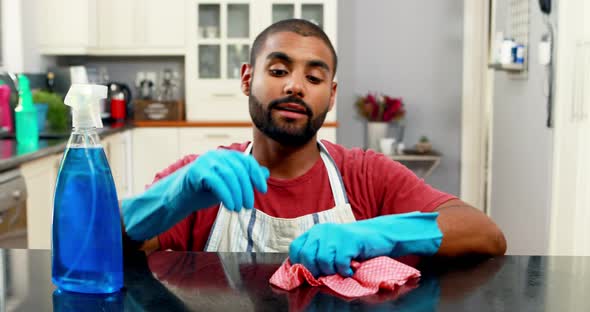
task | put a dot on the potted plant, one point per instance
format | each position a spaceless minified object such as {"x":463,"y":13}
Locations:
{"x":424,"y":145}
{"x":380,"y":111}
{"x":57,"y":111}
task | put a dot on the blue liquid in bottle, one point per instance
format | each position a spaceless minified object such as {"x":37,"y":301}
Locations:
{"x":87,"y":247}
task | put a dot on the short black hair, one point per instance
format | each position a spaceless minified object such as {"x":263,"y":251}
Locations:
{"x":299,"y":26}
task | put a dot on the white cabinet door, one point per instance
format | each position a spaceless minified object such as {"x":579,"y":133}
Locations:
{"x":117,"y":23}
{"x":40,"y":177}
{"x":154,"y":149}
{"x":328,"y":134}
{"x":118,"y":151}
{"x":163,"y":23}
{"x":65,"y":26}
{"x":321,"y":12}
{"x":200,"y":140}
{"x":219,"y":35}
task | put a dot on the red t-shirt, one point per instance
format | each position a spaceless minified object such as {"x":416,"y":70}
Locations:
{"x":375,"y":186}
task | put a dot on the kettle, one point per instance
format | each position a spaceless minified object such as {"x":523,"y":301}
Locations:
{"x":119,"y":101}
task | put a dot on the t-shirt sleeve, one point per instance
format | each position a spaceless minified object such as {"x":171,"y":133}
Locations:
{"x":178,"y":236}
{"x":400,"y":190}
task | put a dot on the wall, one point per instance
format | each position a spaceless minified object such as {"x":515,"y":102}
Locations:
{"x":411,"y":49}
{"x":125,"y":68}
{"x":521,"y":149}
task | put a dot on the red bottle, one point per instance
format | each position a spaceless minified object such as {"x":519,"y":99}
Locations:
{"x":118,"y":107}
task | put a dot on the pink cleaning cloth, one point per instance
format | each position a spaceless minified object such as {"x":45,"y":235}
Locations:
{"x":369,"y":276}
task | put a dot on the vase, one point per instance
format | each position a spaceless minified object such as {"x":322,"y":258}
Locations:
{"x":375,"y":132}
{"x":398,"y":128}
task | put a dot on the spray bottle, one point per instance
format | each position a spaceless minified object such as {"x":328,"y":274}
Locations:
{"x":87,"y":248}
{"x":27,"y":131}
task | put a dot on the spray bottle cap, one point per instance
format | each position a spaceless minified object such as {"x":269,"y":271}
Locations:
{"x":84,"y":100}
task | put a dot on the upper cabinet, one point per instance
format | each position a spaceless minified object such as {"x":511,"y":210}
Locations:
{"x":140,"y":27}
{"x":112,"y":27}
{"x":219,"y":37}
{"x":66,"y":26}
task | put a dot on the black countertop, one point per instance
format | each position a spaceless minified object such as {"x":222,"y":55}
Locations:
{"x":12,"y":155}
{"x":181,"y":281}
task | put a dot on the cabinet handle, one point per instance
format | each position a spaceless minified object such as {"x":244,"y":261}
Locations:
{"x":224,"y":94}
{"x":217,"y":136}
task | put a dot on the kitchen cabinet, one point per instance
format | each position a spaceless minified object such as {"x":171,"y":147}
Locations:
{"x":219,"y":35}
{"x":118,"y":148}
{"x":140,"y":27}
{"x":202,"y":139}
{"x":65,"y":26}
{"x":40,"y":177}
{"x":111,"y":27}
{"x":153,"y":149}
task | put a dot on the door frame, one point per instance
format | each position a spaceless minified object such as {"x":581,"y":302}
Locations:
{"x":476,"y":119}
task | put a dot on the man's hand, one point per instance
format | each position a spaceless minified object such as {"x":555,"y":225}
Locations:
{"x":216,"y":176}
{"x":329,"y":248}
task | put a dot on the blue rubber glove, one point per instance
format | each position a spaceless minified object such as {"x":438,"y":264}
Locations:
{"x":216,"y":176}
{"x":329,"y":248}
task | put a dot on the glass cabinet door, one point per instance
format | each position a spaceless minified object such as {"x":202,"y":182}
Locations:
{"x":313,"y":13}
{"x":223,"y":40}
{"x":282,"y":12}
{"x":209,"y":61}
{"x":238,"y":21}
{"x":237,"y":54}
{"x":209,"y":21}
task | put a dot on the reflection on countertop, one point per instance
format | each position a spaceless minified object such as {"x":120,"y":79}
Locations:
{"x":184,"y":281}
{"x":13,"y":155}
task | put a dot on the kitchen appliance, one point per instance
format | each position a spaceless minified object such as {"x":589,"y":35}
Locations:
{"x":13,"y":210}
{"x":545,"y":6}
{"x":62,"y":77}
{"x":120,"y":101}
{"x":146,"y":89}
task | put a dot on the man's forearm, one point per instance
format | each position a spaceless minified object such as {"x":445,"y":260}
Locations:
{"x":468,"y":231}
{"x":129,"y":244}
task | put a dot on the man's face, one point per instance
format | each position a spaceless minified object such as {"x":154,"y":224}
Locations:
{"x":290,"y":89}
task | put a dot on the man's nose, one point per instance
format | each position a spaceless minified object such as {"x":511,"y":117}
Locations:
{"x":295,"y":86}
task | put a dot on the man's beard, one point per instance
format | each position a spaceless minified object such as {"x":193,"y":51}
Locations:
{"x":284,"y":132}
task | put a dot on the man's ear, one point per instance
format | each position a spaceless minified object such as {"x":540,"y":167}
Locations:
{"x":246,"y":78}
{"x":333,"y":94}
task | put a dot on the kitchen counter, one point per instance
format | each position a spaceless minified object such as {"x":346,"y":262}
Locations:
{"x":11,"y":156}
{"x":182,"y":281}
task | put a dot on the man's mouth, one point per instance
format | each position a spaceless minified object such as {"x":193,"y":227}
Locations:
{"x":292,"y":107}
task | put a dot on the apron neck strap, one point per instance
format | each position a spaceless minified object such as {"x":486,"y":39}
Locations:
{"x":336,"y":183}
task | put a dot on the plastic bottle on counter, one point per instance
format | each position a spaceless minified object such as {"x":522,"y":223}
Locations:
{"x":5,"y":113}
{"x":25,"y":114}
{"x":87,"y":254}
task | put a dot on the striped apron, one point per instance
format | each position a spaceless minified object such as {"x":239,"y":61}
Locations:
{"x":252,"y":230}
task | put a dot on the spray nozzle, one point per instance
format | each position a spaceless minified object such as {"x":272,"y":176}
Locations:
{"x":84,"y":101}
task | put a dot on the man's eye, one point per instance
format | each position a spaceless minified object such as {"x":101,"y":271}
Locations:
{"x":314,"y":79}
{"x":278,"y":72}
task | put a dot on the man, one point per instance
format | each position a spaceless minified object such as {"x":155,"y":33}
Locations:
{"x":307,"y":194}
